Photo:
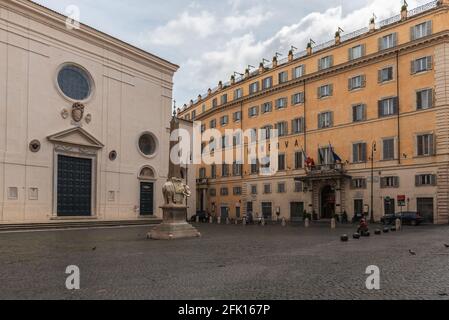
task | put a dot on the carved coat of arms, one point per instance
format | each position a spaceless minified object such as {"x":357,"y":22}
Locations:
{"x":77,"y":112}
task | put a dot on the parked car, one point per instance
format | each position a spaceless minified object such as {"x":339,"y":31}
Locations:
{"x":408,"y":217}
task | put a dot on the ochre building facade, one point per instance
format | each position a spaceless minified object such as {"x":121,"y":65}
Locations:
{"x":371,"y":110}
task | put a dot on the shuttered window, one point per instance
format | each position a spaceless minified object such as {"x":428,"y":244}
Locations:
{"x":359,"y":152}
{"x":388,"y":41}
{"x":254,"y":87}
{"x":425,"y":145}
{"x":388,"y":149}
{"x":283,"y":77}
{"x":325,"y":120}
{"x":281,"y":103}
{"x":298,"y":98}
{"x":357,"y":52}
{"x":267,"y":107}
{"x":357,"y":82}
{"x":325,"y":62}
{"x":267,"y":83}
{"x":358,"y":183}
{"x":281,"y":162}
{"x":421,"y":30}
{"x":298,"y":72}
{"x":213,"y":124}
{"x":425,"y":180}
{"x":253,"y":111}
{"x":389,"y":182}
{"x":384,"y":75}
{"x":281,"y":187}
{"x":238,"y":93}
{"x":299,"y":161}
{"x":298,"y":125}
{"x":359,"y":113}
{"x":421,"y":65}
{"x":325,"y":91}
{"x":424,"y":99}
{"x":388,"y":107}
{"x":282,"y":128}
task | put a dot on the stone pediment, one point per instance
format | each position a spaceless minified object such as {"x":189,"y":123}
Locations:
{"x":76,"y":137}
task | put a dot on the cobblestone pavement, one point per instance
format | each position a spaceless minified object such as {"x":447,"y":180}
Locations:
{"x":228,"y":262}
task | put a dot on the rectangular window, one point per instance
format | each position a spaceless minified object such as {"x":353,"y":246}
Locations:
{"x":254,"y":166}
{"x":281,"y":103}
{"x":298,"y":98}
{"x":359,"y":152}
{"x":358,"y":183}
{"x":281,"y":162}
{"x":357,"y":82}
{"x":325,"y":63}
{"x":237,"y":116}
{"x":325,"y":91}
{"x":359,"y":113}
{"x":299,"y":161}
{"x":265,"y":132}
{"x":282,"y":128}
{"x":237,"y":139}
{"x":388,"y":41}
{"x":213,"y":192}
{"x":388,"y":107}
{"x":187,"y":117}
{"x":253,"y":112}
{"x":224,"y":120}
{"x":388,"y":149}
{"x":299,"y":186}
{"x":203,"y":128}
{"x":389,"y":182}
{"x":237,"y":169}
{"x":253,"y":87}
{"x":214,"y":103}
{"x":281,"y":187}
{"x":237,"y":191}
{"x":193,"y":115}
{"x":325,"y":120}
{"x":299,"y":72}
{"x":253,"y":189}
{"x":425,"y":180}
{"x":386,"y":74}
{"x":202,"y":173}
{"x":203,"y":108}
{"x":224,"y":191}
{"x":224,"y":99}
{"x":267,"y":107}
{"x":225,"y":170}
{"x":424,"y":99}
{"x":422,"y":65}
{"x":283,"y":77}
{"x":325,"y":156}
{"x":357,"y":52}
{"x":224,"y":142}
{"x":421,"y":30}
{"x":267,"y":188}
{"x":253,"y":135}
{"x":298,"y":125}
{"x":238,"y":93}
{"x":358,"y":206}
{"x":213,"y":124}
{"x":267,"y":83}
{"x":213,"y":171}
{"x":425,"y":145}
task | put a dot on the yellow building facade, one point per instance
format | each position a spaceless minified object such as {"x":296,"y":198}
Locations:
{"x":370,"y":111}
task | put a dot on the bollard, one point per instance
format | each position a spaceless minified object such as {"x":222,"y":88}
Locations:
{"x":398,"y":224}
{"x":244,"y":221}
{"x":307,"y":223}
{"x":263,"y":222}
{"x":236,"y":222}
{"x":333,"y":223}
{"x":211,"y":220}
{"x":228,"y":221}
{"x":284,"y":223}
{"x":197,"y":219}
{"x":219,"y":220}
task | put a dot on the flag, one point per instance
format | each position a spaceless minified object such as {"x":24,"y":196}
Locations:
{"x":334,"y":155}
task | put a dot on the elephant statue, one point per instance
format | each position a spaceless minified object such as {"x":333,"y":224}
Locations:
{"x":176,"y":192}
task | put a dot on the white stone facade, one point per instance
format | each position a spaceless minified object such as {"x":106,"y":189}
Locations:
{"x":130,"y":94}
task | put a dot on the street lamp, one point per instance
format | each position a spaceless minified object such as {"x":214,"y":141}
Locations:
{"x":373,"y":150}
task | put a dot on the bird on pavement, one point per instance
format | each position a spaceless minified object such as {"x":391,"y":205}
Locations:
{"x":446,"y":245}
{"x":413,"y":253}
{"x":94,"y":248}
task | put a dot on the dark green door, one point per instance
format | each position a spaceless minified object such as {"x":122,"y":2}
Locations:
{"x":146,"y":199}
{"x":296,"y":211}
{"x":74,"y":187}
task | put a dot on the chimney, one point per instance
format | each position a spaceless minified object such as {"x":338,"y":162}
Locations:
{"x":404,"y":12}
{"x":209,"y":91}
{"x":309,"y":49}
{"x":191,"y":102}
{"x":290,"y":55}
{"x":372,"y":25}
{"x":337,"y":38}
{"x":220,"y":85}
{"x":275,"y":61}
{"x":246,"y":73}
{"x":261,"y":67}
{"x":232,"y":79}
{"x":199,"y":97}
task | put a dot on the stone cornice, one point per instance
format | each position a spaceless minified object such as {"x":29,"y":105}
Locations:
{"x":317,"y":76}
{"x":57,"y":21}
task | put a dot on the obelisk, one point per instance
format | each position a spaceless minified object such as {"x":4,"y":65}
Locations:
{"x":174,"y":225}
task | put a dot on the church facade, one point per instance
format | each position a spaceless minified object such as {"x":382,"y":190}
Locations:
{"x":83,"y":121}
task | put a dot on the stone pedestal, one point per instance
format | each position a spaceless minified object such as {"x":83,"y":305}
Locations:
{"x":174,"y":225}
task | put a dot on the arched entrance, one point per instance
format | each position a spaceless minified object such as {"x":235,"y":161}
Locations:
{"x":147,"y":179}
{"x":328,"y":202}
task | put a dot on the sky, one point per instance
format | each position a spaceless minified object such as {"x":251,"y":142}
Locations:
{"x":210,"y":39}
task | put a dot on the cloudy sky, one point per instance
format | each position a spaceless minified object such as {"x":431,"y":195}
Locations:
{"x":210,"y":39}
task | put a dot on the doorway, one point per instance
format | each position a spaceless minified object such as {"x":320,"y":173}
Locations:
{"x":425,"y":209}
{"x":146,"y":198}
{"x":327,"y":202}
{"x":74,"y":187}
{"x":296,"y":211}
{"x":390,"y":206}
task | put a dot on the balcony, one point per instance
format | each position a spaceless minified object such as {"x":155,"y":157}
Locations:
{"x":326,"y":171}
{"x":202,"y":183}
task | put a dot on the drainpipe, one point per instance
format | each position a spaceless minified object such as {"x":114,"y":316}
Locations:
{"x":399,"y":109}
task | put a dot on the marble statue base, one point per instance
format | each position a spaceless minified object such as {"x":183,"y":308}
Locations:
{"x":174,"y":225}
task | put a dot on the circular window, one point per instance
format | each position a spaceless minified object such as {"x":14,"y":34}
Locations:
{"x":35,"y":146}
{"x":113,"y":155}
{"x":147,"y":144}
{"x":74,"y":82}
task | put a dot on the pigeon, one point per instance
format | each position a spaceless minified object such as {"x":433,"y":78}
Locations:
{"x":94,"y":248}
{"x":413,"y":253}
{"x":446,"y":245}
